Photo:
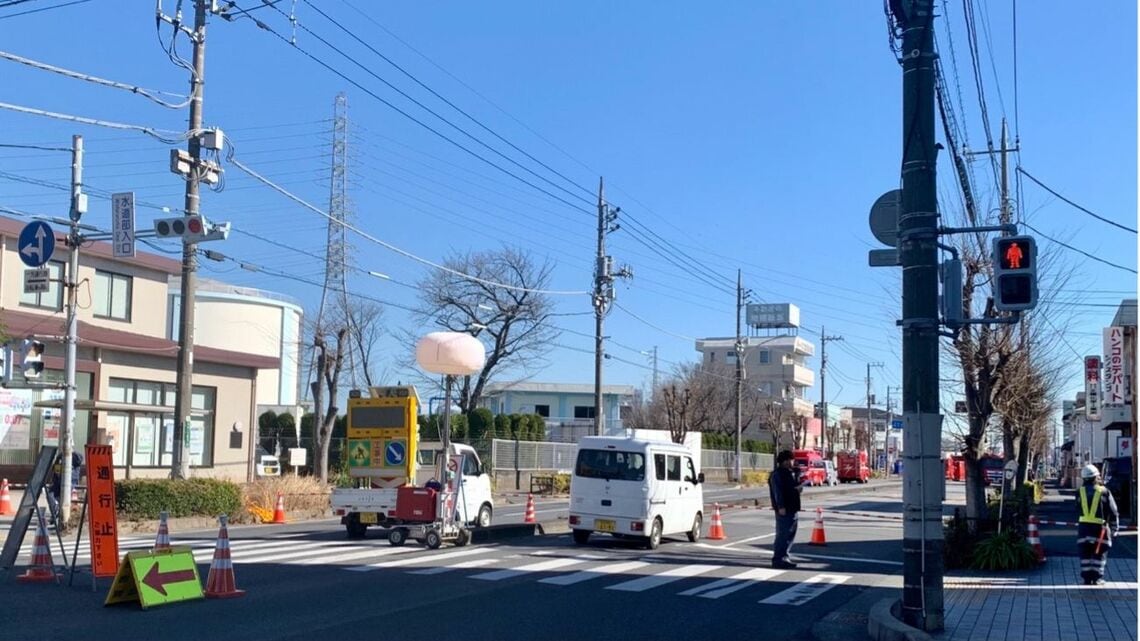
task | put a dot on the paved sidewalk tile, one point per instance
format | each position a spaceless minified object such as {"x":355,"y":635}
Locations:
{"x":1045,"y":604}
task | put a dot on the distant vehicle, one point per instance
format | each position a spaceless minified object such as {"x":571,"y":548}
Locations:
{"x":853,"y":467}
{"x":1118,"y":479}
{"x":830,"y":474}
{"x":955,"y":467}
{"x":635,"y":487}
{"x":805,"y":464}
{"x":267,"y":464}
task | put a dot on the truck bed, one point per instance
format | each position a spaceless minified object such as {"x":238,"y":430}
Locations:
{"x":347,"y":500}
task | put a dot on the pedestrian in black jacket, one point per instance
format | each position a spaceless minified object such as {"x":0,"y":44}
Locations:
{"x":784,"y":488}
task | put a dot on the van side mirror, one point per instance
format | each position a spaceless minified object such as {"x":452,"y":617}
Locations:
{"x":700,"y":477}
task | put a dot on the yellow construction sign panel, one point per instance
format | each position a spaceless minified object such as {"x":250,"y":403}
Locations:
{"x":156,"y":578}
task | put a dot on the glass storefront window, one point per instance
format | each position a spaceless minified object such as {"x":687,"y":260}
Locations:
{"x":152,"y":434}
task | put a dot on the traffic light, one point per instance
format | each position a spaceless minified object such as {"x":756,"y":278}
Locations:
{"x":1015,"y":273}
{"x":191,"y":229}
{"x":33,"y":358}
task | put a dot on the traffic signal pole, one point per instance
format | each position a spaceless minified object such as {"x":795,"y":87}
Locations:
{"x":922,"y":603}
{"x":71,"y":284}
{"x":180,"y":459}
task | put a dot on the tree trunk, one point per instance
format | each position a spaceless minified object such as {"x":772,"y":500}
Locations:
{"x":975,"y":489}
{"x":1023,"y":457}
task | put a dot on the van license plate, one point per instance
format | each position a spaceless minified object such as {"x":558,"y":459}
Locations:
{"x":604,"y":525}
{"x":368,"y":517}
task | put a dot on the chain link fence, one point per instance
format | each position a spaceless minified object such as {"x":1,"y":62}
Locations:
{"x":531,"y":456}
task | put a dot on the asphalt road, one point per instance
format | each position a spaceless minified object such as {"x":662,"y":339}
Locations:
{"x":306,"y":581}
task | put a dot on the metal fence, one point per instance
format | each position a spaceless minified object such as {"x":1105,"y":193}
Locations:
{"x":559,"y":457}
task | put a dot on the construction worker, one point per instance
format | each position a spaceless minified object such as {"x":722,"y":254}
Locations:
{"x":1098,"y":522}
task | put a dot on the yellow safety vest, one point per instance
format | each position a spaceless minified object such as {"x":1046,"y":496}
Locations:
{"x":1088,"y":512}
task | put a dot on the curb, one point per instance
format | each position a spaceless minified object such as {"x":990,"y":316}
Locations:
{"x":883,"y":626}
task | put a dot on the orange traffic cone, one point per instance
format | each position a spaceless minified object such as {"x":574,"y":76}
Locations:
{"x":279,"y":509}
{"x":817,"y":536}
{"x":529,"y":517}
{"x":716,"y":530}
{"x":1033,"y":537}
{"x":5,"y":499}
{"x":220,"y":583}
{"x":42,"y":569}
{"x":162,"y":541}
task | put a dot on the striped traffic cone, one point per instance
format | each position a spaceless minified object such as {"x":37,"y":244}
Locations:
{"x":716,"y":529}
{"x":1033,"y":537}
{"x":220,"y":583}
{"x":162,"y":541}
{"x":529,"y":517}
{"x":5,"y":499}
{"x":279,"y":510}
{"x":42,"y":569}
{"x":817,"y":535}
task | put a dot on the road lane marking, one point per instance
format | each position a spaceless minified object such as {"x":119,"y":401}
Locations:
{"x":381,"y":552}
{"x":542,"y":566}
{"x":821,"y":557}
{"x":466,"y":565}
{"x":717,"y":589}
{"x":429,"y":557}
{"x":586,"y":575}
{"x":668,"y":576}
{"x":806,"y":591}
{"x":754,"y":538}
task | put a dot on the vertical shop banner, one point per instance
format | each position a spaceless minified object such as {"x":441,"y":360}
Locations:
{"x":1092,"y":388}
{"x":102,"y":523}
{"x":15,"y":419}
{"x":1114,"y":388}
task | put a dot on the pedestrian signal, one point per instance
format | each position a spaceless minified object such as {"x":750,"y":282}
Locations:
{"x":33,"y":361}
{"x":1015,"y":273}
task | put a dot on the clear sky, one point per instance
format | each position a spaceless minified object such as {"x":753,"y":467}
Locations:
{"x":754,"y":137}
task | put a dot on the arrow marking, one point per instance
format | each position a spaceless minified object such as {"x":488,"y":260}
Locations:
{"x":157,"y":581}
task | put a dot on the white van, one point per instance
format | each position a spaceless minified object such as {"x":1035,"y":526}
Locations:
{"x":635,"y":487}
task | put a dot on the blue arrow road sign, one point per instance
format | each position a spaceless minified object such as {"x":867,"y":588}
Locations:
{"x":394,"y":453}
{"x":37,"y":242}
{"x":897,"y":424}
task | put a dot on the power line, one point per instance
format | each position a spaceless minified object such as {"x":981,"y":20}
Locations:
{"x":1073,"y":204}
{"x":146,"y":93}
{"x":30,"y":11}
{"x":1079,"y":251}
{"x":173,"y":138}
{"x":664,"y":331}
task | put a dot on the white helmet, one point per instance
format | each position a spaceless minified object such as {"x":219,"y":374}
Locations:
{"x":1089,"y":472}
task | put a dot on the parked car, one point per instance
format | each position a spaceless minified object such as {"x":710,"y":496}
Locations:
{"x":1117,"y":474}
{"x":805,"y":461}
{"x":853,"y":466}
{"x":830,"y":474}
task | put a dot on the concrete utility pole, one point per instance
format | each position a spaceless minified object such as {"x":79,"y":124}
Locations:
{"x":870,"y":423}
{"x":71,"y":283}
{"x":823,"y":339}
{"x":739,"y":345}
{"x":890,"y":420}
{"x":654,"y":391}
{"x":180,"y":459}
{"x":601,"y":274}
{"x":922,"y":603}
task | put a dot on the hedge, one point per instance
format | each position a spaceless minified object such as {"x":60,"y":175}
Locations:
{"x":145,"y":498}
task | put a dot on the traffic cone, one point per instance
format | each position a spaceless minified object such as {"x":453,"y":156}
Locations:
{"x":716,"y":530}
{"x":1033,"y":537}
{"x":162,"y":541}
{"x":42,"y":569}
{"x":817,"y":536}
{"x":5,"y":499}
{"x":529,"y":518}
{"x":74,"y":495}
{"x":279,"y":509}
{"x":220,"y":583}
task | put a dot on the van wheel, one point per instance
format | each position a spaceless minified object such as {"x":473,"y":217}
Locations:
{"x":484,"y":518}
{"x":581,"y":536}
{"x":695,"y":533}
{"x":654,"y":539}
{"x":432,"y":539}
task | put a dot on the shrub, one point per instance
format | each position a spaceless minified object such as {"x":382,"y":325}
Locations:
{"x":538,"y":424}
{"x":300,"y":492}
{"x":958,"y":543}
{"x":754,"y":478}
{"x":145,"y":498}
{"x":479,"y":423}
{"x":561,"y":483}
{"x":1005,"y":551}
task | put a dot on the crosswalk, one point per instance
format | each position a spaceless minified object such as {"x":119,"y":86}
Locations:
{"x":556,"y":567}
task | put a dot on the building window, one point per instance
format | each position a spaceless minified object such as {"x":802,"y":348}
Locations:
{"x":51,"y":299}
{"x":765,"y":357}
{"x":583,"y":411}
{"x":730,"y":357}
{"x":111,"y":296}
{"x":149,"y":437}
{"x":712,"y":357}
{"x":542,"y":410}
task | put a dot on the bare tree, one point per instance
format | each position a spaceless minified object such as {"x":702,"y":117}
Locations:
{"x":513,"y":323}
{"x":330,"y":346}
{"x":365,"y":329}
{"x":773,"y":417}
{"x":676,"y":413}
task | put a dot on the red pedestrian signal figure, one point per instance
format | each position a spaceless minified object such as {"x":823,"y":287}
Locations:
{"x":1013,"y":256}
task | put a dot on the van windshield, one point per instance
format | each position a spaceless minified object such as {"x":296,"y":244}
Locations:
{"x":611,"y":465}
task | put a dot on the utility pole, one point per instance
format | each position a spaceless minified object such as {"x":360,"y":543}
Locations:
{"x":890,"y":421}
{"x":180,"y":459}
{"x":739,"y":345}
{"x":823,"y":339}
{"x":922,"y":602}
{"x":871,"y":424}
{"x":71,"y":284}
{"x":603,"y":295}
{"x":654,"y":371}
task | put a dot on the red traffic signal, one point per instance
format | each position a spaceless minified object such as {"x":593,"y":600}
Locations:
{"x":1015,"y":273}
{"x":1014,"y":253}
{"x":194,"y":225}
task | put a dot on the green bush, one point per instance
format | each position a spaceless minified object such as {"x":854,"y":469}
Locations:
{"x":502,"y":426}
{"x":561,"y":483}
{"x":1005,"y":551}
{"x":480,"y":424}
{"x":538,"y":424}
{"x":145,"y":498}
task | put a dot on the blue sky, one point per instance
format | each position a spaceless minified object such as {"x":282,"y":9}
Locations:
{"x":755,"y":137}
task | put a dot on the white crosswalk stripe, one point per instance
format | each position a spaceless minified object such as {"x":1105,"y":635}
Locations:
{"x":739,"y":581}
{"x":541,"y":566}
{"x":803,"y":592}
{"x":593,"y":573}
{"x":464,"y":565}
{"x":661,"y":578}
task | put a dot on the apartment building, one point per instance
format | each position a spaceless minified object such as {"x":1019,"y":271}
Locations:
{"x":126,"y":363}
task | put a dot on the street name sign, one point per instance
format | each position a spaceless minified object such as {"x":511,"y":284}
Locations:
{"x":123,"y":224}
